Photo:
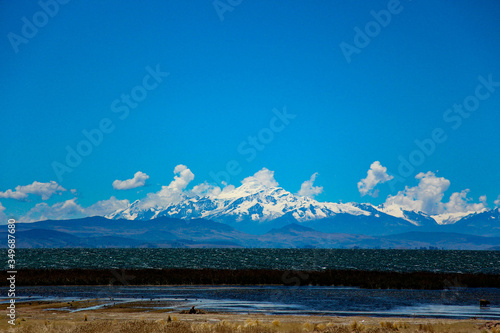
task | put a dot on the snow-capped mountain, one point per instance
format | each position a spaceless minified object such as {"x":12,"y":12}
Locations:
{"x":249,"y":202}
{"x":451,"y":218}
{"x":485,"y":223}
{"x":257,"y":208}
{"x":416,"y":218}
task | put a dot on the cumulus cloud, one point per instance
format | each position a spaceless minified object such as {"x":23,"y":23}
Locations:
{"x":171,"y":193}
{"x":58,"y":211}
{"x":375,"y":175}
{"x":9,"y":194}
{"x":307,"y":189}
{"x":176,"y":190}
{"x":105,"y":207}
{"x":205,"y":189}
{"x":460,"y":203}
{"x":44,"y":190}
{"x":138,"y":181}
{"x":424,"y":197}
{"x":262,"y":177}
{"x":3,"y":217}
{"x":70,"y":209}
{"x":183,"y":176}
{"x":427,"y":197}
{"x":497,"y":202}
{"x":228,"y":189}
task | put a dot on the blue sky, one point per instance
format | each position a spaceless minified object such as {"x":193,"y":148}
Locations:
{"x":225,"y":79}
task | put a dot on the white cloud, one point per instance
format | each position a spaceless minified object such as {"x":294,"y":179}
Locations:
{"x":427,"y":197}
{"x":424,"y":197}
{"x":9,"y":194}
{"x":138,"y":181}
{"x":105,"y":207}
{"x":459,"y":203}
{"x":3,"y":217}
{"x":228,"y":189}
{"x":497,"y":202}
{"x":44,"y":190}
{"x":375,"y":175}
{"x":58,"y":211}
{"x":262,"y":177}
{"x":175,"y":191}
{"x":70,"y":209}
{"x":307,"y":189}
{"x":182,"y":179}
{"x":206,"y":189}
{"x":171,"y":193}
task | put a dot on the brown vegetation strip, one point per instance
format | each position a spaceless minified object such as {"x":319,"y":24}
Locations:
{"x":363,"y":279}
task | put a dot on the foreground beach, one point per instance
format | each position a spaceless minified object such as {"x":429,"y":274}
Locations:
{"x":253,"y":300}
{"x":47,"y":317}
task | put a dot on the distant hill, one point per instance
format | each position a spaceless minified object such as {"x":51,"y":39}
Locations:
{"x":99,"y":232}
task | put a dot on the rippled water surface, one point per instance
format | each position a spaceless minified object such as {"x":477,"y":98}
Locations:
{"x":288,"y":259}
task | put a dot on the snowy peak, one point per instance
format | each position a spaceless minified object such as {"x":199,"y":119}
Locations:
{"x":254,"y":207}
{"x":420,"y":218}
{"x":247,"y":189}
{"x":399,"y":212}
{"x":251,"y":201}
{"x":450,"y":218}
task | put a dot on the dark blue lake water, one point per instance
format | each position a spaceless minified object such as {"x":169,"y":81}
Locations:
{"x":286,"y":259}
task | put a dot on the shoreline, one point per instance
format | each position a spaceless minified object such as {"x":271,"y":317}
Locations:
{"x":48,"y":316}
{"x":180,"y":276}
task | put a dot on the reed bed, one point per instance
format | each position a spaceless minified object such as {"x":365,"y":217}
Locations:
{"x":363,"y":279}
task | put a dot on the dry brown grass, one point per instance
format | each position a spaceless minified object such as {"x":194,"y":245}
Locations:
{"x":247,"y":326}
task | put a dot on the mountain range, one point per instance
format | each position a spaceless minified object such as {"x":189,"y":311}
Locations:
{"x":256,"y":208}
{"x":165,"y":232}
{"x":254,"y":215}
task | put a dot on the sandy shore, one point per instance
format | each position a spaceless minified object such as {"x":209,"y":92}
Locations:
{"x":54,"y":317}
